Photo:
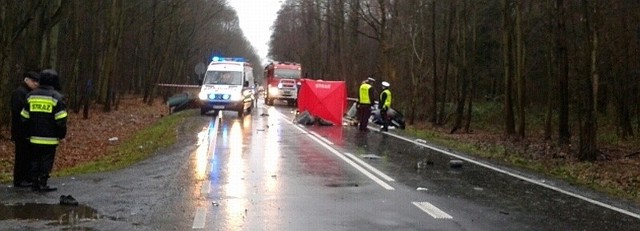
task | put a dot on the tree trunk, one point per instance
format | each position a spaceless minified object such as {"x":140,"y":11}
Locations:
{"x":441,"y":114}
{"x":562,"y":65}
{"x":463,"y":92}
{"x":588,"y":131}
{"x":472,"y":67}
{"x":519,"y":71}
{"x":434,"y":97}
{"x":508,"y":79}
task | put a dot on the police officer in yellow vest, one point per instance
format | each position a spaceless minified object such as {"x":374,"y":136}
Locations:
{"x":365,"y":99}
{"x":45,"y":116}
{"x":384,"y":105}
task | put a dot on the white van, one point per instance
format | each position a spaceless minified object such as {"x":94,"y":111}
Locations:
{"x":228,"y":85}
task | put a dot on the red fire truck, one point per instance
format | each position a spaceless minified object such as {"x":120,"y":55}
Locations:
{"x":282,"y":81}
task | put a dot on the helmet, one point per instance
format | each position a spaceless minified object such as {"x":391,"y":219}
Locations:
{"x":385,"y":84}
{"x":371,"y":79}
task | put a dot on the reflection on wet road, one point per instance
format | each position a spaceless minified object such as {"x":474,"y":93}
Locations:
{"x":270,"y":174}
{"x":262,"y":172}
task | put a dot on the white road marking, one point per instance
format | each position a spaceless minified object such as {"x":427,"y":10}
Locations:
{"x":206,"y":188}
{"x":321,"y":138}
{"x":432,"y":210}
{"x":200,"y":218}
{"x":341,"y":156}
{"x":371,"y":168}
{"x":602,"y":204}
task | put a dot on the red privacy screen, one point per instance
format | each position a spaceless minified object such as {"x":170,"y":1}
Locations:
{"x":324,"y":99}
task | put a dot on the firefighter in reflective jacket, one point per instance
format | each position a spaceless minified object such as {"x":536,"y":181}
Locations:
{"x":45,"y":116}
{"x":365,"y":99}
{"x":384,"y":105}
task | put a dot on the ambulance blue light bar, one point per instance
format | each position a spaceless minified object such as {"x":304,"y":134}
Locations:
{"x":233,"y":59}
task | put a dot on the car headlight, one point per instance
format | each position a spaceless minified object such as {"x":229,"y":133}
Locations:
{"x":273,"y":91}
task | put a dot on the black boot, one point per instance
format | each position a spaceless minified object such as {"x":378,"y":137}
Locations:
{"x":35,"y":184}
{"x":42,"y":185}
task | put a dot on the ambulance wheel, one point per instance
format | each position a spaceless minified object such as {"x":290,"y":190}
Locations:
{"x":268,"y":101}
{"x":203,"y":111}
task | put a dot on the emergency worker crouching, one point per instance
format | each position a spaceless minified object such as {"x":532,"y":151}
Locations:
{"x":45,"y":116}
{"x":365,"y":100}
{"x":384,"y":105}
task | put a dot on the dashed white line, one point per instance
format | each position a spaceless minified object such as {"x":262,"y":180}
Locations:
{"x":432,"y":210}
{"x":200,"y":218}
{"x":206,"y":188}
{"x":602,"y":204}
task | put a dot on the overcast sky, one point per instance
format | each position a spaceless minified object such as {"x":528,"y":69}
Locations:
{"x":256,"y":18}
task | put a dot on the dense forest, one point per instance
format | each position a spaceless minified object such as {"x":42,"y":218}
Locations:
{"x":104,"y":50}
{"x":565,"y":70}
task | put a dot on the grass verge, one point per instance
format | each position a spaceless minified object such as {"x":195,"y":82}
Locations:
{"x":586,"y":174}
{"x":144,"y":143}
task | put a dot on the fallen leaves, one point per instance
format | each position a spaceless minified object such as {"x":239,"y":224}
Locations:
{"x":88,"y":139}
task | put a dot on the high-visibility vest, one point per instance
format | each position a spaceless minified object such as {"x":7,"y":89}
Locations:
{"x":387,"y":101}
{"x":364,"y":94}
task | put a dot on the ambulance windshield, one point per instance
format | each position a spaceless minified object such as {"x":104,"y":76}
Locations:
{"x":223,"y":77}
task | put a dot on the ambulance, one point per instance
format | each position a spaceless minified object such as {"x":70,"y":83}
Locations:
{"x":228,"y":85}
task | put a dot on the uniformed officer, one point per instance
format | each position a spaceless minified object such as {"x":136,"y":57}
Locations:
{"x":22,"y":163}
{"x":45,"y":116}
{"x":365,"y":99}
{"x":384,"y":105}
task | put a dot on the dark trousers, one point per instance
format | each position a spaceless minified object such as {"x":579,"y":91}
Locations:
{"x":385,"y":119}
{"x":22,"y":163}
{"x":364,"y":112}
{"x":42,"y":162}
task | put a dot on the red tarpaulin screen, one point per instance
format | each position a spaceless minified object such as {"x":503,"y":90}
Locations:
{"x":324,"y":99}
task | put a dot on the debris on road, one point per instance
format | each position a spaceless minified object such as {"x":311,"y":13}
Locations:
{"x":455,"y":163}
{"x":370,"y":156}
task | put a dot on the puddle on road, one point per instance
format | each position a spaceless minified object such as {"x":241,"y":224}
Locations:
{"x":59,"y":214}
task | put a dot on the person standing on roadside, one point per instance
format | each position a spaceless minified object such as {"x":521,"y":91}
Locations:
{"x":22,"y":161}
{"x":384,"y":105}
{"x":365,"y":100}
{"x":45,"y":116}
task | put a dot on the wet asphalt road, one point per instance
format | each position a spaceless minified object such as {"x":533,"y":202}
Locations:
{"x":263,"y":172}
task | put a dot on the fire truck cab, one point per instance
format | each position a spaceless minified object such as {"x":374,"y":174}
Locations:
{"x":282,"y":81}
{"x":228,"y":84}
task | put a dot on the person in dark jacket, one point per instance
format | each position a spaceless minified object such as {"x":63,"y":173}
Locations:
{"x":22,"y":162}
{"x":45,"y":116}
